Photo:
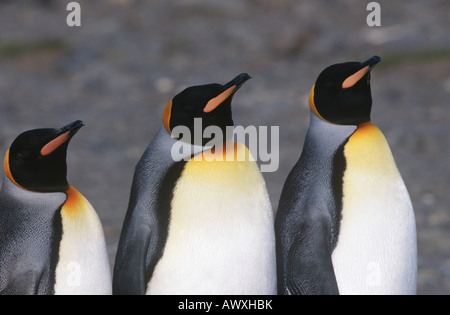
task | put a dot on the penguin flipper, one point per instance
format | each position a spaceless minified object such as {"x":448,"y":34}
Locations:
{"x":145,"y":229}
{"x":25,"y":268}
{"x":129,"y":268}
{"x":28,"y":283}
{"x":140,"y":248}
{"x":29,"y":243}
{"x":309,"y":266}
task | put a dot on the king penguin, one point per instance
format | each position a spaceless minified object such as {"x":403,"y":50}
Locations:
{"x":51,"y":239}
{"x":345,"y":223}
{"x":201,"y":225}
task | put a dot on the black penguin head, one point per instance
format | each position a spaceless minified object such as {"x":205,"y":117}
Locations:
{"x":211,"y":103}
{"x":342,"y":93}
{"x":36,"y":160}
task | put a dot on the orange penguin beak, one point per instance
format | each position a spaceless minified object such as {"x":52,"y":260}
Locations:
{"x":356,"y":77}
{"x":64,"y":134}
{"x":230,"y":89}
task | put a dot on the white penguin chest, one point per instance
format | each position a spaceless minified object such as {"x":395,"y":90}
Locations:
{"x":221,"y":235}
{"x":377,"y":248}
{"x":83,"y":267}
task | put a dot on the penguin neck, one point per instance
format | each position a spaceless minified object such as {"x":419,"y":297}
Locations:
{"x":177,"y":149}
{"x":327,"y":137}
{"x":11,"y":190}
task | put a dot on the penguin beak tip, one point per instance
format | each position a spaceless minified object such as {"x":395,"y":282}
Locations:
{"x":371,"y":62}
{"x":239,"y":80}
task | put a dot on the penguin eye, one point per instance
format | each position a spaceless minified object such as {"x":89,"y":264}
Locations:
{"x":22,"y":155}
{"x":188,"y":107}
{"x":329,"y":86}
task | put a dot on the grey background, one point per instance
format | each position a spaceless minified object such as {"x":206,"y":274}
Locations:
{"x":130,"y":57}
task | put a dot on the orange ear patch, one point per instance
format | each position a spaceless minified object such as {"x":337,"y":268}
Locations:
{"x":50,"y":147}
{"x":312,"y":105}
{"x":215,"y":102}
{"x":353,"y":79}
{"x":7,"y":170}
{"x":166,"y":116}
